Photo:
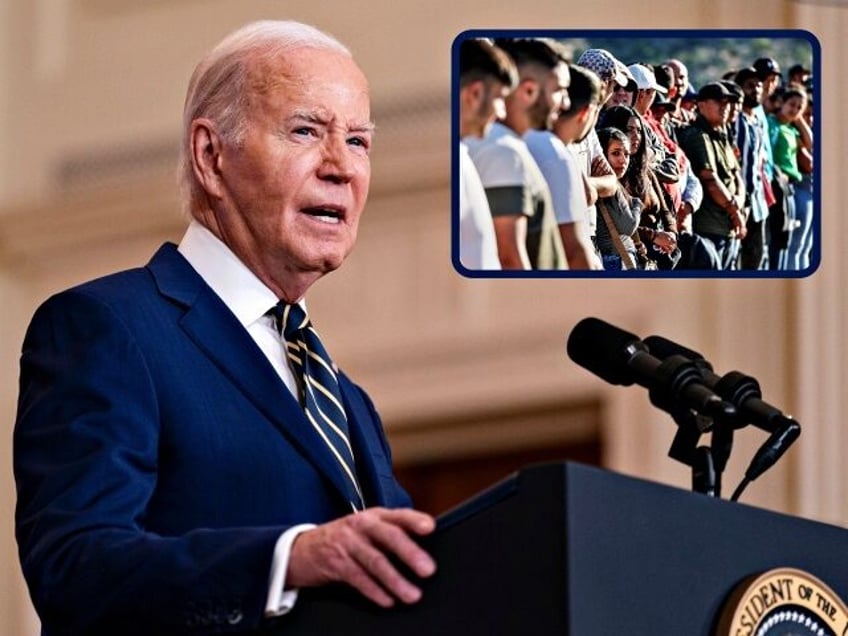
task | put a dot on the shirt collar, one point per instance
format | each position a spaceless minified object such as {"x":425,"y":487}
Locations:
{"x":240,"y":289}
{"x":715,"y":133}
{"x":499,"y":130}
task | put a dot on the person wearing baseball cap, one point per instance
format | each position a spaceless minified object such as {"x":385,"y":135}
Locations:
{"x":605,"y":65}
{"x":750,"y":140}
{"x":766,"y":66}
{"x":600,"y":178}
{"x":645,"y":78}
{"x":646,"y":87}
{"x":735,"y":105}
{"x":622,"y":95}
{"x":713,"y":91}
{"x":745,"y":74}
{"x":663,"y":162}
{"x":689,"y":99}
{"x":798,"y":74}
{"x":670,"y":163}
{"x":721,"y":217}
{"x":733,"y":89}
{"x":769,"y":72}
{"x":661,"y":105}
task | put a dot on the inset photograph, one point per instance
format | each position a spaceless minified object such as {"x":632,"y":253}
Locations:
{"x":635,"y":153}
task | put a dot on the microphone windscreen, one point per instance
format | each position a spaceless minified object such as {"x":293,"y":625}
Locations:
{"x":663,"y":348}
{"x":604,"y":350}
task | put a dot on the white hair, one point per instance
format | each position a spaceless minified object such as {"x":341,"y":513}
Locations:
{"x":219,"y":91}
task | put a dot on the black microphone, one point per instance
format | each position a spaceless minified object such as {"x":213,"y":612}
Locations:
{"x":621,"y":358}
{"x":739,"y":389}
{"x":768,"y":454}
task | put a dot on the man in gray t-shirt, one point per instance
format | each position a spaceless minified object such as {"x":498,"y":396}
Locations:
{"x":518,"y":194}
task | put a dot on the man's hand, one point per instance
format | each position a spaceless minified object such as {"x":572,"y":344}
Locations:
{"x":684,"y":213}
{"x":665,"y":242}
{"x":590,"y":191}
{"x":738,"y":221}
{"x":356,"y":549}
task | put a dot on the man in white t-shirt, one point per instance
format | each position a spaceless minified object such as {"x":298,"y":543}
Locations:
{"x":518,"y":194}
{"x":554,"y":152}
{"x":478,"y":248}
{"x":486,"y":76}
{"x":601,"y":179}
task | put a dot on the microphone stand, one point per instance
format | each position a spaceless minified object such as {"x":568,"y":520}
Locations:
{"x":707,"y":462}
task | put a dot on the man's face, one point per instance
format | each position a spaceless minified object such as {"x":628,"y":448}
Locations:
{"x":484,"y":101}
{"x":660,"y":113}
{"x":552,"y":97}
{"x":733,"y":110}
{"x":575,"y":127}
{"x":591,"y":119}
{"x":715,"y":111}
{"x":752,"y":88}
{"x":672,"y":90}
{"x":644,"y":99}
{"x":799,"y":77}
{"x":770,"y":84}
{"x":681,"y":77}
{"x":493,"y":106}
{"x":620,"y":97}
{"x":773,"y":103}
{"x":608,"y":87}
{"x":295,"y":187}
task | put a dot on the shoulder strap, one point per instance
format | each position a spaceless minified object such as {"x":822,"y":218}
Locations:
{"x":626,"y":258}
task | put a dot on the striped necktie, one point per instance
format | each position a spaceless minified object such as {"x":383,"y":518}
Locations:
{"x":319,"y":388}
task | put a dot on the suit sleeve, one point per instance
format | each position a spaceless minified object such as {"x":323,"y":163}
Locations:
{"x":86,"y":450}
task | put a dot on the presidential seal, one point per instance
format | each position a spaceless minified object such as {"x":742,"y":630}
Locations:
{"x":783,"y":602}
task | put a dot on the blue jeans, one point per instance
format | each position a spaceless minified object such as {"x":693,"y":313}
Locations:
{"x":726,"y":247}
{"x":779,"y":223}
{"x":801,"y":239}
{"x":612,"y":262}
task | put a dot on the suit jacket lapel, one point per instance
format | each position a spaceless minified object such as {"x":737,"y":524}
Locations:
{"x":219,"y":335}
{"x":367,"y":447}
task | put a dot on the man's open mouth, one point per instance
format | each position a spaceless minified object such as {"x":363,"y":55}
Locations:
{"x":325,"y":214}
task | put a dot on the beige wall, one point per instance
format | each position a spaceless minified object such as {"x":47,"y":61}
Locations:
{"x":90,"y":101}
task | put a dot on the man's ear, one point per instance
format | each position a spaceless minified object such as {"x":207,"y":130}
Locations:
{"x":205,"y":145}
{"x":472,"y":94}
{"x":529,"y":90}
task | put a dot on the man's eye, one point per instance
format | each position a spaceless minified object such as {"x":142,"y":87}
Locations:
{"x":358,"y":141}
{"x":305,"y":131}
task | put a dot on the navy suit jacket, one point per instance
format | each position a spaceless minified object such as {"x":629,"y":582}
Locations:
{"x":158,"y":458}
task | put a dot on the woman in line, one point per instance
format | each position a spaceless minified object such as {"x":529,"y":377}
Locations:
{"x":792,"y":145}
{"x":658,"y":223}
{"x":620,"y":212}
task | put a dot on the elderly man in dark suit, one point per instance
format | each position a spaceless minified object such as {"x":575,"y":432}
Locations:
{"x":187,"y":455}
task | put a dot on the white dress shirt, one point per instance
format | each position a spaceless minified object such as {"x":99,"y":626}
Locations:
{"x":249,"y":299}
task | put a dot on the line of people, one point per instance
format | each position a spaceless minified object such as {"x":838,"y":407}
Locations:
{"x":601,"y":166}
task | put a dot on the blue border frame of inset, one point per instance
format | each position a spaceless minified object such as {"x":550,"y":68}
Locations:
{"x":815,"y":257}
